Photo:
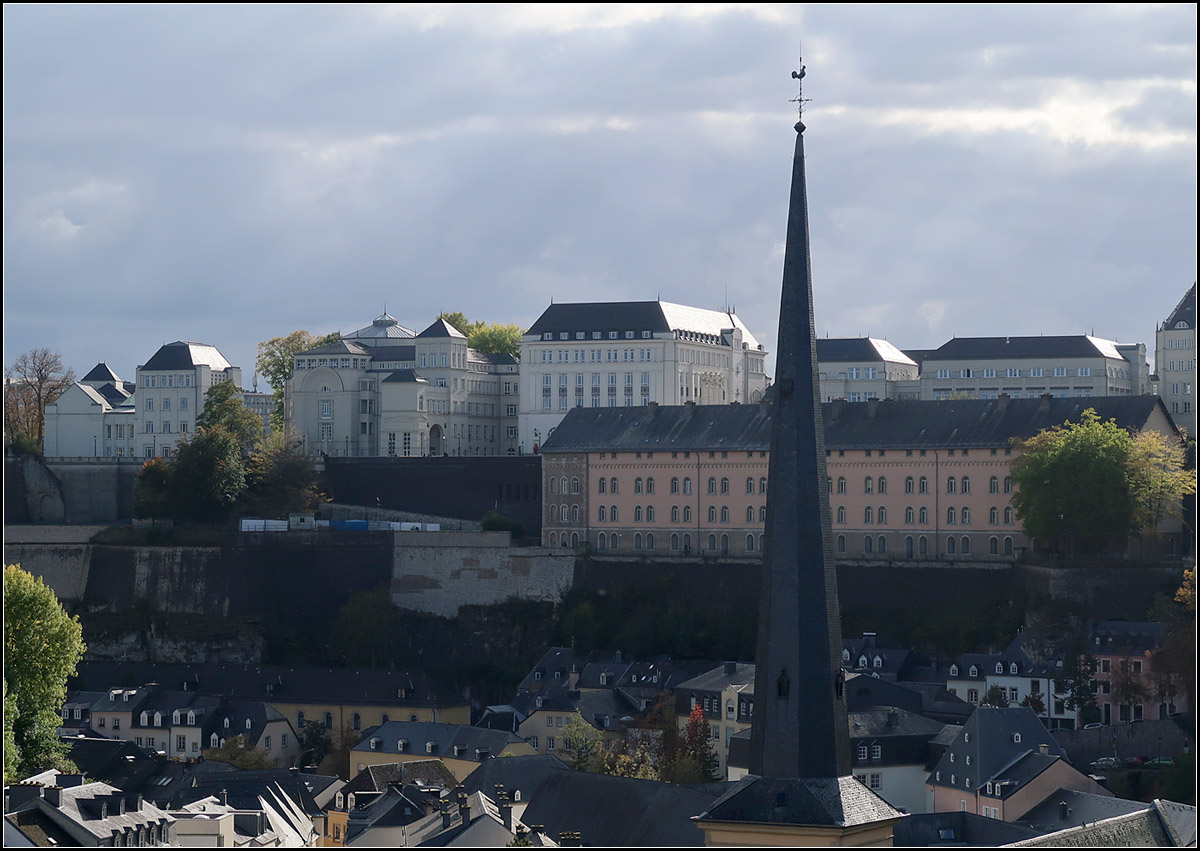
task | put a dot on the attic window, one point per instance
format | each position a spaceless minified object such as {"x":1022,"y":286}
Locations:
{"x":954,"y":670}
{"x":558,"y":675}
{"x":1012,"y":668}
{"x":1016,"y":738}
{"x":999,"y":667}
{"x":974,"y":671}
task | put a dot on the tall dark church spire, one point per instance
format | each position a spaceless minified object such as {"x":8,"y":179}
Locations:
{"x":800,"y":709}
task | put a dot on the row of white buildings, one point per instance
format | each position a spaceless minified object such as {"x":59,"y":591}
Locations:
{"x":387,"y":390}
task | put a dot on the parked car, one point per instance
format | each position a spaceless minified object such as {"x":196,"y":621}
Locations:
{"x":1095,"y":726}
{"x":1160,"y":762}
{"x":1105,"y":762}
{"x":1134,"y":761}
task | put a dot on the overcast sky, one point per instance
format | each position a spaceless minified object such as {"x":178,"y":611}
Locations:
{"x":230,"y":174}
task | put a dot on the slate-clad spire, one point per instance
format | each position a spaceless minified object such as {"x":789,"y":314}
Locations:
{"x":800,"y":710}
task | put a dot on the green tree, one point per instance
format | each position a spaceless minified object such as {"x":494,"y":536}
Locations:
{"x":1034,"y":702}
{"x":365,"y":629}
{"x":275,"y":360}
{"x":152,"y":494}
{"x":1090,"y":485}
{"x":1079,"y":687}
{"x":496,"y":338}
{"x":209,"y":475}
{"x":223,"y":406}
{"x":12,"y":753}
{"x":315,"y":744}
{"x":1174,"y":661}
{"x":35,"y":379}
{"x":42,"y":645}
{"x":238,"y":752}
{"x":996,"y":695}
{"x":584,"y":744}
{"x":280,"y":479}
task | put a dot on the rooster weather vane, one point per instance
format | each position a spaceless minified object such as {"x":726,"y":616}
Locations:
{"x":800,"y":99}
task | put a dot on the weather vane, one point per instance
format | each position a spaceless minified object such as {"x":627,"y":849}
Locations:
{"x":799,"y":99}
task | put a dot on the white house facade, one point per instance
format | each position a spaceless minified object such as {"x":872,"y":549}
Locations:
{"x":170,"y":393}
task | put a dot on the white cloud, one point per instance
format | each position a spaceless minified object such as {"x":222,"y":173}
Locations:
{"x":61,"y":215}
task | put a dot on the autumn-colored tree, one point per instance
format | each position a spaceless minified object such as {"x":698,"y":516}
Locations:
{"x":35,"y":379}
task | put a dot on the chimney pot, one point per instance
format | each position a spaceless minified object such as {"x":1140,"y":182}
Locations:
{"x":730,"y":668}
{"x":53,"y":796}
{"x":1063,"y":810}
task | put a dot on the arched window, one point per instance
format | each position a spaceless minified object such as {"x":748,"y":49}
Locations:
{"x":553,"y":485}
{"x":923,"y":485}
{"x":674,"y":542}
{"x":724,"y":545}
{"x":923,"y":546}
{"x":908,"y":546}
{"x":637,"y":513}
{"x":712,"y":514}
{"x":602,"y":542}
{"x":993,"y":546}
{"x":762,"y":513}
{"x":868,"y":513}
{"x":300,"y":720}
{"x":1008,"y":484}
{"x":883,"y":549}
{"x":554,"y":539}
{"x":674,"y":513}
{"x":724,"y":485}
{"x":868,"y":546}
{"x":602,"y":514}
{"x":841,"y":514}
{"x":712,"y":484}
{"x":965,"y":549}
{"x":750,"y":484}
{"x":1008,"y":516}
{"x":575,"y":513}
{"x":574,"y":484}
{"x":908,"y":484}
{"x":966,"y":484}
{"x":882,"y":515}
{"x":841,"y":484}
{"x":649,"y":513}
{"x":674,"y":485}
{"x":868,"y":485}
{"x":357,"y":721}
{"x":563,"y":514}
{"x":924,"y":516}
{"x":650,"y":541}
{"x":951,"y":515}
{"x":712,"y":542}
{"x":562,"y":542}
{"x":750,"y":513}
{"x":249,"y":723}
{"x":950,"y":545}
{"x":883,"y":484}
{"x":950,"y":484}
{"x":965,"y":514}
{"x":908,"y":515}
{"x":762,"y":485}
{"x":574,"y":539}
{"x":687,"y":484}
{"x":637,"y":485}
{"x":993,"y":515}
{"x":612,"y":484}
{"x":637,"y":541}
{"x":650,"y":485}
{"x":603,"y":485}
{"x":749,"y":543}
{"x":563,"y":485}
{"x":1008,"y":546}
{"x":687,"y":514}
{"x":993,"y":485}
{"x":612,"y":514}
{"x":724,"y":513}
{"x":841,"y":543}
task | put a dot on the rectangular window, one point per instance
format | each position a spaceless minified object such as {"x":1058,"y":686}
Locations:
{"x":149,"y":404}
{"x":166,"y":404}
{"x":181,"y":743}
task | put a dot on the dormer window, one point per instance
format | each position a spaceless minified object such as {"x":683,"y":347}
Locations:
{"x":878,"y":662}
{"x":145,"y":719}
{"x":999,"y":667}
{"x":537,"y":675}
{"x":175,"y":717}
{"x":226,"y":723}
{"x":191,"y":718}
{"x":966,"y":738}
{"x":974,"y":671}
{"x":249,"y":723}
{"x":954,"y":670}
{"x":430,"y":747}
{"x":341,"y":800}
{"x":1012,"y":668}
{"x":1016,"y":738}
{"x":862,"y":661}
{"x":845,"y":655}
{"x":558,"y":675}
{"x":212,"y":740}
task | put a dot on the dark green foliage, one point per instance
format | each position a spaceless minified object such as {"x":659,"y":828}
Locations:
{"x":152,"y":496}
{"x":280,"y":480}
{"x":996,"y":696}
{"x":494,"y":521}
{"x":223,"y":407}
{"x":209,"y":476}
{"x":240,"y":754}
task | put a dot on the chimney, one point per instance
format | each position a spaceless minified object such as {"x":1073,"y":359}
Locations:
{"x":835,"y":408}
{"x":445,"y":805}
{"x":464,"y":809}
{"x":1002,"y":402}
{"x":506,"y":815}
{"x":868,"y":639}
{"x":730,"y":668}
{"x":53,"y":796}
{"x":689,"y":407}
{"x":1044,"y":749}
{"x":764,"y":405}
{"x":872,"y":408}
{"x":1044,"y":403}
{"x":893,"y":717}
{"x":1063,"y":810}
{"x":20,"y":793}
{"x":68,"y":781}
{"x":653,"y":406}
{"x":224,"y":796}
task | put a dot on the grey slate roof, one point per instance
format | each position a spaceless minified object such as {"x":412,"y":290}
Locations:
{"x":859,"y":350}
{"x":404,"y":376}
{"x":445,"y":738}
{"x":657,"y":317}
{"x":1185,"y":311}
{"x":423,"y":772}
{"x":1142,"y":829}
{"x":101,"y":372}
{"x":112,"y":394}
{"x":1081,"y":808}
{"x":1125,"y":637}
{"x":384,"y":325}
{"x":956,"y":829}
{"x":874,"y":723}
{"x":1015,"y":348}
{"x":441,"y":328}
{"x":524,"y":774}
{"x":183,"y":354}
{"x":813,"y":801}
{"x":81,"y":808}
{"x":987,"y":750}
{"x":886,"y":424}
{"x":339,"y":347}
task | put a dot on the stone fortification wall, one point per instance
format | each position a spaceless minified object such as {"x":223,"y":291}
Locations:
{"x":69,"y":490}
{"x":1146,"y":739}
{"x":439,"y":572}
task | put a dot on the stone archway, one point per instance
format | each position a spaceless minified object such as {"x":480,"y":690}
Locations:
{"x":436,"y":439}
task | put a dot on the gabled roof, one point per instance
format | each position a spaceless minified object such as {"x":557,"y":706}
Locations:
{"x":339,"y":347}
{"x":1066,"y":808}
{"x":112,"y":394}
{"x":445,"y":738}
{"x":886,"y":424}
{"x":859,"y":350}
{"x":1184,"y":312}
{"x":403,"y":376}
{"x":720,"y":678}
{"x":101,"y":372}
{"x":441,"y":328}
{"x":183,"y":354}
{"x":523,"y":774}
{"x":996,"y":744}
{"x":813,"y":801}
{"x":1156,"y":826}
{"x":1125,"y":637}
{"x":423,"y":772}
{"x":932,"y":830}
{"x":885,"y":723}
{"x":1017,"y":348}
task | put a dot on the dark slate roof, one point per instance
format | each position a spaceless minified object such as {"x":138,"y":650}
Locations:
{"x":858,"y":350}
{"x":32,"y":828}
{"x":423,"y":772}
{"x":498,"y":358}
{"x":618,"y":811}
{"x":384,"y":325}
{"x":1007,"y":348}
{"x":183,"y":354}
{"x":718,"y":678}
{"x":986,"y":750}
{"x":441,"y":328}
{"x":524,"y":774}
{"x":380,"y":354}
{"x":1179,"y":820}
{"x":934,"y":830}
{"x":404,"y":376}
{"x":1144,"y":828}
{"x":112,"y":394}
{"x":601,"y":316}
{"x":813,"y":801}
{"x":444,"y":736}
{"x":886,"y":424}
{"x":339,"y":347}
{"x":1081,"y":808}
{"x":874,"y":723}
{"x":277,"y":683}
{"x":1185,"y":311}
{"x":101,"y":372}
{"x":1125,"y":637}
